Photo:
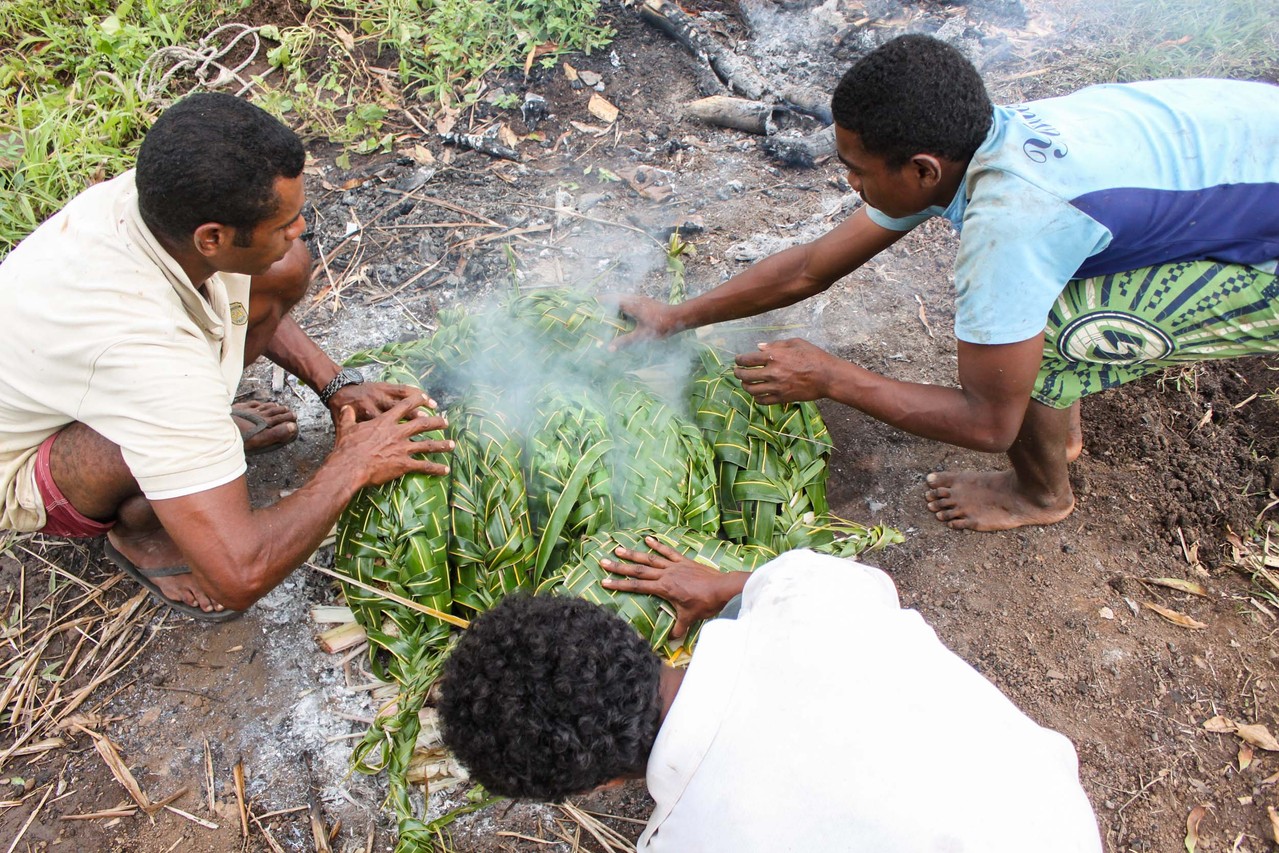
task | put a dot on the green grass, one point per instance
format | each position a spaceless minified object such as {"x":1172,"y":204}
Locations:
{"x":70,"y":112}
{"x":1185,"y":38}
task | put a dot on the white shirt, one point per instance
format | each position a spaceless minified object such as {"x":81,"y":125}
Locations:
{"x":826,"y":718}
{"x":100,"y":325}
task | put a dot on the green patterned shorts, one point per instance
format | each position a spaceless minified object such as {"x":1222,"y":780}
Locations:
{"x":1108,"y":330}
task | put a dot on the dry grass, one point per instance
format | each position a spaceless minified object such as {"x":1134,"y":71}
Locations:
{"x":66,"y":628}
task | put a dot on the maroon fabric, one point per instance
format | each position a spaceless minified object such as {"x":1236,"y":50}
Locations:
{"x":62,"y":519}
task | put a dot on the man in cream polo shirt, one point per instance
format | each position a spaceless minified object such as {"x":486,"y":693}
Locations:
{"x":125,"y":322}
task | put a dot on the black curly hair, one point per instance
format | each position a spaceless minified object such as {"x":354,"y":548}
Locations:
{"x":547,"y":697}
{"x":213,"y":157}
{"x":914,"y":95}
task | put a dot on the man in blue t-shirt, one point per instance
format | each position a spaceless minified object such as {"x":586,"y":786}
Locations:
{"x":1104,"y":235}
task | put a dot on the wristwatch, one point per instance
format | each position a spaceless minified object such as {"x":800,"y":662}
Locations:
{"x":346,"y":376}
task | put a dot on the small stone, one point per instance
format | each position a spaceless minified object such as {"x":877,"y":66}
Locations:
{"x":1106,"y":613}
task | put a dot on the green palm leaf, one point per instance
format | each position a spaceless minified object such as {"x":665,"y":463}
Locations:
{"x":652,"y":616}
{"x":492,"y":548}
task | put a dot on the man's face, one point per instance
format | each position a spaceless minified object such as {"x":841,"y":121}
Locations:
{"x":894,"y":192}
{"x":271,"y":239}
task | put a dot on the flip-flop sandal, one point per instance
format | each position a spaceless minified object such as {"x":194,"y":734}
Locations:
{"x":260,"y":424}
{"x":143,"y":577}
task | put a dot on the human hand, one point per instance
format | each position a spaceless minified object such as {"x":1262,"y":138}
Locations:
{"x":370,"y":399}
{"x":698,"y":592}
{"x":383,"y":447}
{"x":787,"y":371}
{"x":652,"y":320}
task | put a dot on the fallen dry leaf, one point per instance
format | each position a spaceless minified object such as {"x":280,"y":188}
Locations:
{"x":1220,"y":724}
{"x":1192,"y":827}
{"x":1258,"y":735}
{"x":600,"y":107}
{"x":1253,"y":733}
{"x":593,"y":129}
{"x":1179,"y":584}
{"x":1274,"y":822}
{"x":1271,"y":779}
{"x":1245,"y":757}
{"x":1174,"y":617}
{"x":507,"y":137}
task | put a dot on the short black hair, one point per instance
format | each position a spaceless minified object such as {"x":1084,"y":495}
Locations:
{"x":213,"y":157}
{"x":914,"y":95}
{"x":546,"y":697}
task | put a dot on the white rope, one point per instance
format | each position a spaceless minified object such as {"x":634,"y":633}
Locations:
{"x":202,"y":60}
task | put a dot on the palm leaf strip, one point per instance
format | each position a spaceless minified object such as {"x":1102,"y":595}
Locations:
{"x":650,"y":615}
{"x":492,"y":547}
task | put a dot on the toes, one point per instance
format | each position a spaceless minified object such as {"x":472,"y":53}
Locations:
{"x":272,"y":413}
{"x":937,"y":494}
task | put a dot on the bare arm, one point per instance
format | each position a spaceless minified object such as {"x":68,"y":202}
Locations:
{"x":237,"y":554}
{"x":293,"y":349}
{"x":775,"y":282}
{"x":984,"y":413}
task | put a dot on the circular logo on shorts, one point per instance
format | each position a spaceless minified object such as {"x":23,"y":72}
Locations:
{"x":1109,"y":337}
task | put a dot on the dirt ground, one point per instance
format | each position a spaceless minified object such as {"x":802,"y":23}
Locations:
{"x":1055,"y":616}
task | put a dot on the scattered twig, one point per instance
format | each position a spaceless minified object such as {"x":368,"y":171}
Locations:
{"x":237,"y":774}
{"x":30,"y":819}
{"x":923,"y":316}
{"x":398,"y":599}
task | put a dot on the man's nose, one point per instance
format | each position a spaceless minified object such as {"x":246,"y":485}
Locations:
{"x":854,"y":182}
{"x":299,"y":226}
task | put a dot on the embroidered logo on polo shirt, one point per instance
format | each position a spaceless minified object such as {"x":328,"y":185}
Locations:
{"x":239,"y":316}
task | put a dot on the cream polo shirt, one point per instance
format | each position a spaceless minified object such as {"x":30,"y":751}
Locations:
{"x":98,"y":324}
{"x":827,"y":718}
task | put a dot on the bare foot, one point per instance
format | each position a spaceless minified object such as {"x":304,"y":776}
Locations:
{"x":971,"y":500}
{"x":264,"y":425}
{"x":155,"y":551}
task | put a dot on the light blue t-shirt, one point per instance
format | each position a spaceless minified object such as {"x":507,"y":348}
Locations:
{"x":1108,"y":179}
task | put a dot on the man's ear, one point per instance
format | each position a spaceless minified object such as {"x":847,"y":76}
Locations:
{"x":212,"y":237}
{"x":927,"y":170}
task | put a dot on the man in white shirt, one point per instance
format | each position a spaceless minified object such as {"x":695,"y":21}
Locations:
{"x":125,"y":322}
{"x":823,"y":717}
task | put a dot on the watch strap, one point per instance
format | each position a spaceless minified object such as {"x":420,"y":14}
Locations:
{"x":346,"y":376}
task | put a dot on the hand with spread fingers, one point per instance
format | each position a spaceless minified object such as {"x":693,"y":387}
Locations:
{"x":385,"y":446}
{"x":370,"y":399}
{"x":698,"y":592}
{"x":789,"y":371}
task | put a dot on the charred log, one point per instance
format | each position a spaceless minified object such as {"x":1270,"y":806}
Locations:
{"x":482,"y":144}
{"x":738,"y":113}
{"x":736,"y":73}
{"x":802,"y":151}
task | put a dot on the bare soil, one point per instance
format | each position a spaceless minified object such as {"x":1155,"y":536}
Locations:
{"x":1054,"y":616}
